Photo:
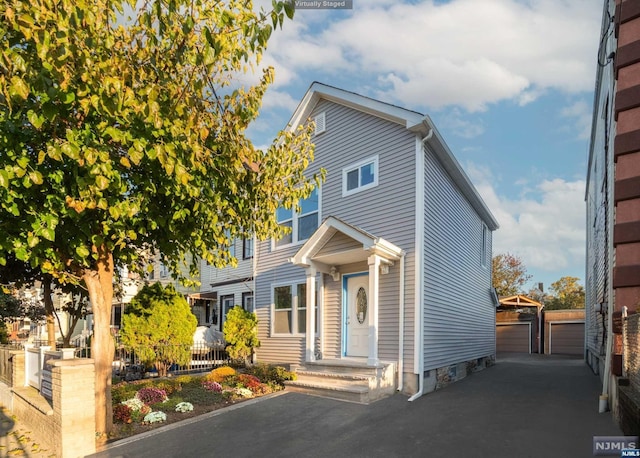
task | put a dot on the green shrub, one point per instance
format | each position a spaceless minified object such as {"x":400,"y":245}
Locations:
{"x":241,"y":333}
{"x":268,"y":373}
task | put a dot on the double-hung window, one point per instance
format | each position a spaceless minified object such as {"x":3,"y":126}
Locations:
{"x":290,"y":309}
{"x":303,"y":223}
{"x":360,"y":176}
{"x":247,"y":248}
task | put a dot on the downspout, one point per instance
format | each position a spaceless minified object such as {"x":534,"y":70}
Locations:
{"x":419,"y":313}
{"x":401,"y":325}
{"x":603,"y":405}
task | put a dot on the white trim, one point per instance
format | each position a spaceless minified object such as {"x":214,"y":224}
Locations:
{"x":294,"y":308}
{"x":418,"y":338}
{"x":509,"y":323}
{"x":357,"y":166}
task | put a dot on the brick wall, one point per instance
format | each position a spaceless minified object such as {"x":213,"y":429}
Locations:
{"x":631,"y":351}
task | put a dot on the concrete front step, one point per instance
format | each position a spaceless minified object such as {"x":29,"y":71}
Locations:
{"x":344,"y":380}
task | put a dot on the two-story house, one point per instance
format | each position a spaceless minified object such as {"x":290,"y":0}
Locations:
{"x":385,"y":278}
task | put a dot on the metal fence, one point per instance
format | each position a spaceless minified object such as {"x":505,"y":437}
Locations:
{"x":128,"y":366}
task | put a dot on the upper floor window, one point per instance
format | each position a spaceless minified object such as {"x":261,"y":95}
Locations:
{"x":360,"y":176}
{"x":232,"y":247}
{"x":303,"y":223}
{"x":247,"y":248}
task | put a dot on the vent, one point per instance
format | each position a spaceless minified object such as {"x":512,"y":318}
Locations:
{"x":320,"y":123}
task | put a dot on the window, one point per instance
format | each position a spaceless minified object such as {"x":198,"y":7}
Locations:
{"x":227,"y":304}
{"x":247,"y":248}
{"x":247,"y":301}
{"x":360,"y":176}
{"x":302,"y":224}
{"x":164,"y":271}
{"x":485,"y":245}
{"x":290,"y":309}
{"x":232,"y":247}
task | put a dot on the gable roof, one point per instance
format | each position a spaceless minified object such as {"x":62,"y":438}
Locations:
{"x":519,"y":300}
{"x":413,"y":121}
{"x":368,"y":244}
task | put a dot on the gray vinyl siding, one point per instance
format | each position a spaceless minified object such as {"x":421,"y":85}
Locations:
{"x":459,"y":316}
{"x":386,"y":211}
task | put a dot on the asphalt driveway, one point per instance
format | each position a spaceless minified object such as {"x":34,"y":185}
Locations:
{"x":531,"y":406}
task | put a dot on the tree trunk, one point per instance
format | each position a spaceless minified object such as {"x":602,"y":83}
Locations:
{"x":48,"y":308}
{"x":99,"y":284}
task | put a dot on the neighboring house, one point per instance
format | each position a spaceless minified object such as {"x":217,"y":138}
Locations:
{"x":518,"y":321}
{"x":222,"y":289}
{"x":613,"y":194}
{"x":392,"y":254}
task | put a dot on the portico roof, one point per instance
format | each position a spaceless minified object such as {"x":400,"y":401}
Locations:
{"x":361,"y":244}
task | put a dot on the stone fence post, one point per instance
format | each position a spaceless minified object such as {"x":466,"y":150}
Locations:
{"x":74,"y":412}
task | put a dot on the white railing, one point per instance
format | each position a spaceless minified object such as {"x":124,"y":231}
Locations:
{"x":33,"y":363}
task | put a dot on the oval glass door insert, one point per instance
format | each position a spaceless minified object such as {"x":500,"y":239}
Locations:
{"x":361,"y":305}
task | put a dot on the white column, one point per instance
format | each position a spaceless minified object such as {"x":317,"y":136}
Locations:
{"x":311,"y":315}
{"x":372,"y":312}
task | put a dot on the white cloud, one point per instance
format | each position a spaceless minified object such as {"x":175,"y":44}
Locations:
{"x":580,"y":115}
{"x":468,"y":53}
{"x":546,"y":229}
{"x":455,"y":121}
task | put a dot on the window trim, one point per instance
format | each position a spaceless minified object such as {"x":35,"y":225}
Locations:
{"x":295,"y":216}
{"x":223,"y":312}
{"x":485,"y":245}
{"x":375,"y":160}
{"x":293,"y":285}
{"x":245,"y":296}
{"x":244,"y":248}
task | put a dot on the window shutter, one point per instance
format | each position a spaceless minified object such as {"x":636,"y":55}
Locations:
{"x":320,"y":123}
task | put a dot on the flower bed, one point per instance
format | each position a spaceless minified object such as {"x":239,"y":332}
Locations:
{"x":140,"y":406}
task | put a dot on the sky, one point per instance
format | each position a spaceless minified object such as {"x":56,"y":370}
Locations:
{"x":508,"y":83}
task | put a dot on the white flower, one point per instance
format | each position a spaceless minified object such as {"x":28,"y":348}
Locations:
{"x":155,"y":417}
{"x":184,"y":407}
{"x":134,"y":404}
{"x":244,"y":392}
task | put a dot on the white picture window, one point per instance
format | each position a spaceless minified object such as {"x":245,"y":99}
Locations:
{"x":303,"y":223}
{"x":360,"y":176}
{"x":290,"y":309}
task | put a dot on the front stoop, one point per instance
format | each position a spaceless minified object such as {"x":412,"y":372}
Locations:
{"x":344,"y":380}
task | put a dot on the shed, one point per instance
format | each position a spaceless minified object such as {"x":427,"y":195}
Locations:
{"x":517,"y":325}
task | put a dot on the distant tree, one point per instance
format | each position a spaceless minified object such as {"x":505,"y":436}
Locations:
{"x":75,"y":307}
{"x":158,"y":326}
{"x":509,"y":274}
{"x":566,"y":293}
{"x":241,"y":333}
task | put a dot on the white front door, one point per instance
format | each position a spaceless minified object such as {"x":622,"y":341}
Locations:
{"x":356,"y":316}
